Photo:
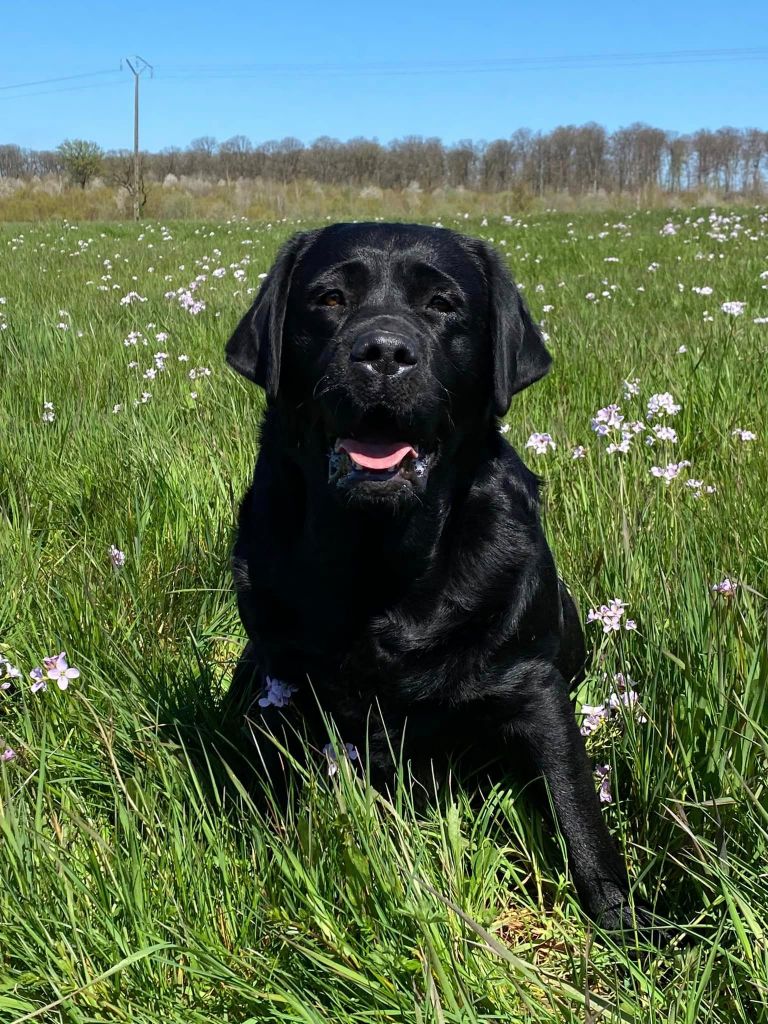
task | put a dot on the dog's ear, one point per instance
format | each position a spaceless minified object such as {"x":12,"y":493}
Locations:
{"x":518,"y":352}
{"x":255,"y":348}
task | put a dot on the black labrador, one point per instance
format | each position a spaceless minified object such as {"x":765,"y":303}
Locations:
{"x":390,"y":563}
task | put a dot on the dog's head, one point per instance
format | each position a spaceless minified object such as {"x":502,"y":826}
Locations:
{"x":391,"y":345}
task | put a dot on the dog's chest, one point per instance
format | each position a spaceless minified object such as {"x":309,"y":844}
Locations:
{"x":359,"y":646}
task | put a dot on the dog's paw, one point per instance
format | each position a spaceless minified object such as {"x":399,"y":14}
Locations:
{"x":636,"y":924}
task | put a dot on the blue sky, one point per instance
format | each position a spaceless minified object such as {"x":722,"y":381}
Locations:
{"x":310,"y":69}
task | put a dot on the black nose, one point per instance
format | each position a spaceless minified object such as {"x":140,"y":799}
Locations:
{"x":384,"y":353}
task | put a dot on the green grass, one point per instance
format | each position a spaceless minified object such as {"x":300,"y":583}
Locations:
{"x":138,"y":884}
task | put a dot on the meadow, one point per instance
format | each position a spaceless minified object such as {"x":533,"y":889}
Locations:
{"x":139,"y":883}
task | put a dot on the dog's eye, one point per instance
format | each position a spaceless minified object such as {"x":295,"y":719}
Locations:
{"x":440,"y":303}
{"x":332,"y":298}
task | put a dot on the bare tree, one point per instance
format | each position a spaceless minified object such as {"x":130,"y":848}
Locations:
{"x":120,"y":173}
{"x":200,"y":155}
{"x":12,"y":162}
{"x":755,"y":157}
{"x":461,"y":164}
{"x":575,"y":158}
{"x":234,"y":154}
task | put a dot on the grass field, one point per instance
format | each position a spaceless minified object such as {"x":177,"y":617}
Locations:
{"x":136,"y":886}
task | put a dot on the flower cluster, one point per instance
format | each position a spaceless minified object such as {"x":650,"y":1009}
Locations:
{"x":662,"y":405}
{"x":55,"y":668}
{"x":332,"y":759}
{"x":186,"y":297}
{"x":744,"y":435}
{"x":8,"y":672}
{"x":276,"y":693}
{"x":160,"y":361}
{"x":130,"y":298}
{"x":610,"y":423}
{"x":607,"y":419}
{"x":610,"y":616}
{"x":669,"y":472}
{"x":662,"y":433}
{"x":603,"y":772}
{"x":699,"y":488}
{"x":733,"y":308}
{"x":541,"y":443}
{"x":726,"y":587}
{"x":116,"y":557}
{"x":623,"y":697}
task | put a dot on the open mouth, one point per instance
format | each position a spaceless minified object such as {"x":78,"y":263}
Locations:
{"x":354,"y":460}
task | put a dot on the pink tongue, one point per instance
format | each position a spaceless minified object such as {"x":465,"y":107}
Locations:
{"x":375,"y":455}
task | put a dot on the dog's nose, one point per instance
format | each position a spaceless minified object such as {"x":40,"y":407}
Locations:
{"x":384,"y":353}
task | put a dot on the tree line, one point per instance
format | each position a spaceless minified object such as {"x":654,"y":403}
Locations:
{"x":578,"y":159}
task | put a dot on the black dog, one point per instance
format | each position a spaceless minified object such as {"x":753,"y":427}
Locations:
{"x":389,"y":549}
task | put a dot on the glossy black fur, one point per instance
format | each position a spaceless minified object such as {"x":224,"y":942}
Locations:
{"x":428,"y":621}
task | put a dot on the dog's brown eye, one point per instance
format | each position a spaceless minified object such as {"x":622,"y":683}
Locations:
{"x":440,"y":303}
{"x":333,"y":298}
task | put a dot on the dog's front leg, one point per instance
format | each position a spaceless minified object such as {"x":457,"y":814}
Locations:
{"x":547,"y":726}
{"x":262,"y":729}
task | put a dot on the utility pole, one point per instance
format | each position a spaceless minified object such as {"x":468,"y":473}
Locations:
{"x":138,"y":70}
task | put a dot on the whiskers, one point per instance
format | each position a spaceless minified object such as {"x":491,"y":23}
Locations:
{"x":324,"y":386}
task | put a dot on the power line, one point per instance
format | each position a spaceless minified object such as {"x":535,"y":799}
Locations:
{"x":183,"y":72}
{"x":57,"y":92}
{"x":501,"y":65}
{"x":486,"y":65}
{"x":63,"y":78}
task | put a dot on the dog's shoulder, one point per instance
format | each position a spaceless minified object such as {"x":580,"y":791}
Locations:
{"x":506,"y":495}
{"x":516,"y":478}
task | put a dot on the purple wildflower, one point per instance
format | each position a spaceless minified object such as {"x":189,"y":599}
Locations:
{"x":733,"y":308}
{"x":130,"y":298}
{"x":116,"y":557}
{"x":620,"y":446}
{"x":726,"y":587}
{"x":670,"y":471}
{"x":541,"y":443}
{"x":38,"y":683}
{"x":7,"y":673}
{"x":60,"y":671}
{"x":623,"y":695}
{"x":332,"y":758}
{"x":609,"y":418}
{"x":595,"y":715}
{"x":662,"y":404}
{"x":603,"y":772}
{"x":276,"y":694}
{"x":610,"y":615}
